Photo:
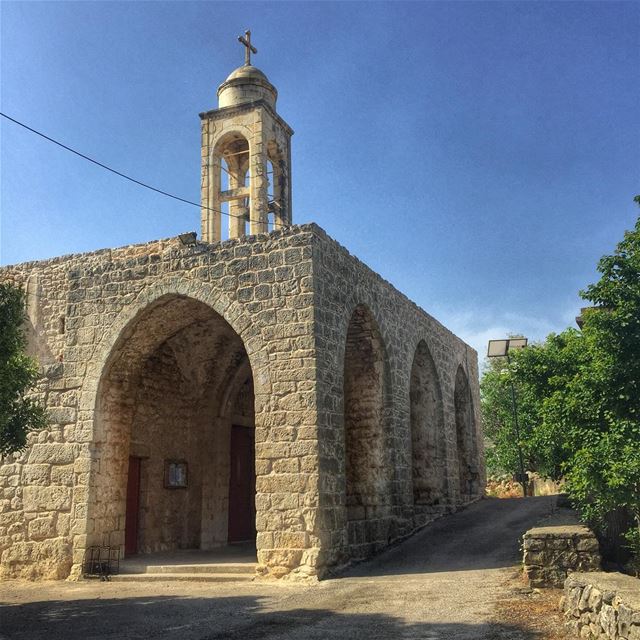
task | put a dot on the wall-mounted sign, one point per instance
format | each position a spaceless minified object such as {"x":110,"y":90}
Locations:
{"x":175,"y":474}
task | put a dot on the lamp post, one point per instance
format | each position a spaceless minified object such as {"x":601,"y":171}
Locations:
{"x":500,"y":349}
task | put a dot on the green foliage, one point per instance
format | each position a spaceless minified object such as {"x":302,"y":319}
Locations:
{"x":579,"y":397}
{"x":540,"y":375}
{"x":19,"y":414}
{"x":605,"y":472}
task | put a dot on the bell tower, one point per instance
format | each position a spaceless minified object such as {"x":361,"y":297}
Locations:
{"x":246,"y":156}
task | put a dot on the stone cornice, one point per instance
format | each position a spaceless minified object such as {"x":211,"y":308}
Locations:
{"x":225,"y":112}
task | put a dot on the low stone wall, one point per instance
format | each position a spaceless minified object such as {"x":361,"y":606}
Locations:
{"x":602,"y":605}
{"x":552,"y":552}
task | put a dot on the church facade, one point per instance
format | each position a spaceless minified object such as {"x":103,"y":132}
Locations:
{"x":268,"y":386}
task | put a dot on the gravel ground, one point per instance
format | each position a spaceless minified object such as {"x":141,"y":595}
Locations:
{"x":454,"y":580}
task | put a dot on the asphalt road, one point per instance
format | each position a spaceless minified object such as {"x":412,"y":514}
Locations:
{"x":442,"y":583}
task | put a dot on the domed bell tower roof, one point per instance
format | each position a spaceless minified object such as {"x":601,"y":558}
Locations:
{"x":247,"y":83}
{"x":246,"y":157}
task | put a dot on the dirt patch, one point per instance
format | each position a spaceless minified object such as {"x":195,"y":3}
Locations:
{"x":503,"y":487}
{"x":534,"y":610}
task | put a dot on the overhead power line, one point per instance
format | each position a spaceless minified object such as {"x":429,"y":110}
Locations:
{"x":119,"y":173}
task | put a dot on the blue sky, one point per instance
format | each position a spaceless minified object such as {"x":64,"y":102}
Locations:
{"x":480,"y":156}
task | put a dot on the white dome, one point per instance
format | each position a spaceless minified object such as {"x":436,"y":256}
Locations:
{"x":246,"y":84}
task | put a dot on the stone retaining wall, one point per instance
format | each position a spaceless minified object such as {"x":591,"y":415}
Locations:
{"x":602,"y":605}
{"x":551,"y":552}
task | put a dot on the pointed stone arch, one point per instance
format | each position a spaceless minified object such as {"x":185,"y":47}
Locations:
{"x":428,"y":444}
{"x":466,"y":439}
{"x":368,"y":470}
{"x":165,"y":394}
{"x":91,"y":427}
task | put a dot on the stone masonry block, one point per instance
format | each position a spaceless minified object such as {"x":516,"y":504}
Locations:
{"x":51,"y":453}
{"x":42,"y":499}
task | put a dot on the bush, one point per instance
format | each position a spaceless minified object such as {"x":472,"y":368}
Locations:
{"x":19,"y":413}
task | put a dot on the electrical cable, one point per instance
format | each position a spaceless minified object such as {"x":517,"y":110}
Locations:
{"x":123,"y":175}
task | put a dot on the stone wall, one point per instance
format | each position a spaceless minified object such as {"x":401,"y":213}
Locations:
{"x":96,"y":319}
{"x":144,"y":350}
{"x":348,"y":298}
{"x":552,"y":552}
{"x":165,"y":408}
{"x":602,"y":605}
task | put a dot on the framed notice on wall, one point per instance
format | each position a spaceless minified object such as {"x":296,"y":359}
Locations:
{"x":175,"y":474}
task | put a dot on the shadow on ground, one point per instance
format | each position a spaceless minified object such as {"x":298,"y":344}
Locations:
{"x":485,"y":535}
{"x":381,"y":605}
{"x":234,"y":618}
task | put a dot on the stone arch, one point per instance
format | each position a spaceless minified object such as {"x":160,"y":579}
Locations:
{"x":233,"y":147}
{"x":368,"y":472}
{"x":428,"y":443}
{"x":361,"y":299}
{"x":223,"y":305}
{"x":210,"y":304}
{"x":229,"y":160}
{"x":159,"y":399}
{"x":466,"y":439}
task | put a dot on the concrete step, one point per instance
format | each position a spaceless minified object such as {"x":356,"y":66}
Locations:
{"x":210,"y":567}
{"x":182,"y":577}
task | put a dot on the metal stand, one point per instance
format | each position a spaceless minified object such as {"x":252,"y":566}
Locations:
{"x":101,"y":562}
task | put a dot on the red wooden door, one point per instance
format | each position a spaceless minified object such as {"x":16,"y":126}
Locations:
{"x":242,"y":485}
{"x":133,"y":508}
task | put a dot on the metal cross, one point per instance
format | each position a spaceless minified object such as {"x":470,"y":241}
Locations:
{"x":246,"y":41}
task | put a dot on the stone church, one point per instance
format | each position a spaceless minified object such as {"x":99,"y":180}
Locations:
{"x":260,"y":384}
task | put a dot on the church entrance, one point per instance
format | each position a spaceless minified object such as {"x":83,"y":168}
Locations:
{"x":176,"y":450}
{"x":242,"y":485}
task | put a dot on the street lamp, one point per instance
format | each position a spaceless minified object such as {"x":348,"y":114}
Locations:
{"x":500,"y":349}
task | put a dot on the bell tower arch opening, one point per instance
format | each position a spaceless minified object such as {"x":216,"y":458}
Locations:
{"x":230,"y":194}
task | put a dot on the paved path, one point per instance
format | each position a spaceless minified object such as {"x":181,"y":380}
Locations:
{"x":440,"y":584}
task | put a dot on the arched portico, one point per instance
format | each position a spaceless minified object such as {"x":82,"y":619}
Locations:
{"x":174,"y":418}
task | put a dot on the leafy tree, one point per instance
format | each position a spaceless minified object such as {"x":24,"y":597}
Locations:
{"x":605,"y":472}
{"x":579,"y":397}
{"x":539,"y":373}
{"x":19,"y":413}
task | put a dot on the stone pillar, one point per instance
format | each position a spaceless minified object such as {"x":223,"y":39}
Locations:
{"x":288,"y":208}
{"x":211,"y":199}
{"x":258,"y":182}
{"x":209,"y":186}
{"x":237,"y":218}
{"x":279,"y":210}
